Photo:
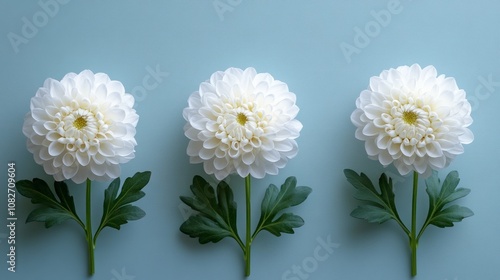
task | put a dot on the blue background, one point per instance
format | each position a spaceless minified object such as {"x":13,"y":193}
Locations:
{"x":298,"y":42}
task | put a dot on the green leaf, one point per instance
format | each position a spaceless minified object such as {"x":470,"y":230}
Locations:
{"x":372,"y":213}
{"x":216,"y":217}
{"x":449,"y":215}
{"x":52,"y":211}
{"x":50,"y":216}
{"x":440,"y":196}
{"x":276,"y":201}
{"x":284,"y":224}
{"x":117,"y":208}
{"x":379,"y":207}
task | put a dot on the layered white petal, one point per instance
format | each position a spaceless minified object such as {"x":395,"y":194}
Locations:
{"x":81,"y":127}
{"x":241,"y":121}
{"x":413,"y":118}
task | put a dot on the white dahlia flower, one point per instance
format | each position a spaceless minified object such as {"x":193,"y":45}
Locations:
{"x":242,"y":122}
{"x":81,"y":127}
{"x":413,"y":118}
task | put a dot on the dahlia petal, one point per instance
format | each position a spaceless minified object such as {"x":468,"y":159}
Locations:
{"x":113,"y":170}
{"x":434,"y":150}
{"x":371,"y":130}
{"x":359,"y":134}
{"x":243,"y":170}
{"x":262,"y":86}
{"x":43,"y":154}
{"x":37,"y":139}
{"x":56,"y":89}
{"x":82,"y":158}
{"x":402,"y":168}
{"x":207,"y":154}
{"x":115,"y":86}
{"x":466,"y":137}
{"x":39,"y":114}
{"x":420,"y":165}
{"x":97,"y":169}
{"x":278,"y":88}
{"x":211,"y":143}
{"x":194,"y":147}
{"x":69,"y":171}
{"x":248,"y":158}
{"x":106,"y":149}
{"x":407,"y":150}
{"x":52,"y":170}
{"x":39,"y":128}
{"x":246,"y":82}
{"x":271,"y":156}
{"x":68,"y":159}
{"x":438,"y":162}
{"x":220,"y":163}
{"x":385,"y":158}
{"x":371,"y":148}
{"x":267,"y":144}
{"x":258,"y":171}
{"x":55,"y":149}
{"x":82,"y":175}
{"x":283,"y":146}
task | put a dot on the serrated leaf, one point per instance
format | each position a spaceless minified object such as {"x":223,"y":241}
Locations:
{"x":284,"y":224}
{"x":275,"y":201}
{"x":380,"y":206}
{"x":53,"y":211}
{"x":450,"y":215}
{"x":371,"y":213}
{"x":440,"y":196}
{"x":123,"y":215}
{"x":50,"y":216}
{"x":117,"y":208}
{"x":204,"y":228}
{"x":216,"y":218}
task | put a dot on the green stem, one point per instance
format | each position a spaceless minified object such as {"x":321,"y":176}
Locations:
{"x":413,"y":233}
{"x":249,"y":222}
{"x":88,"y":229}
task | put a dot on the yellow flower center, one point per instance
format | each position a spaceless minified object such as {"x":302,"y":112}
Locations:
{"x":410,"y":117}
{"x":80,"y":123}
{"x":241,"y":118}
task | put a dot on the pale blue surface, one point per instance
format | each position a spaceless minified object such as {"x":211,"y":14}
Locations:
{"x":298,"y":42}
